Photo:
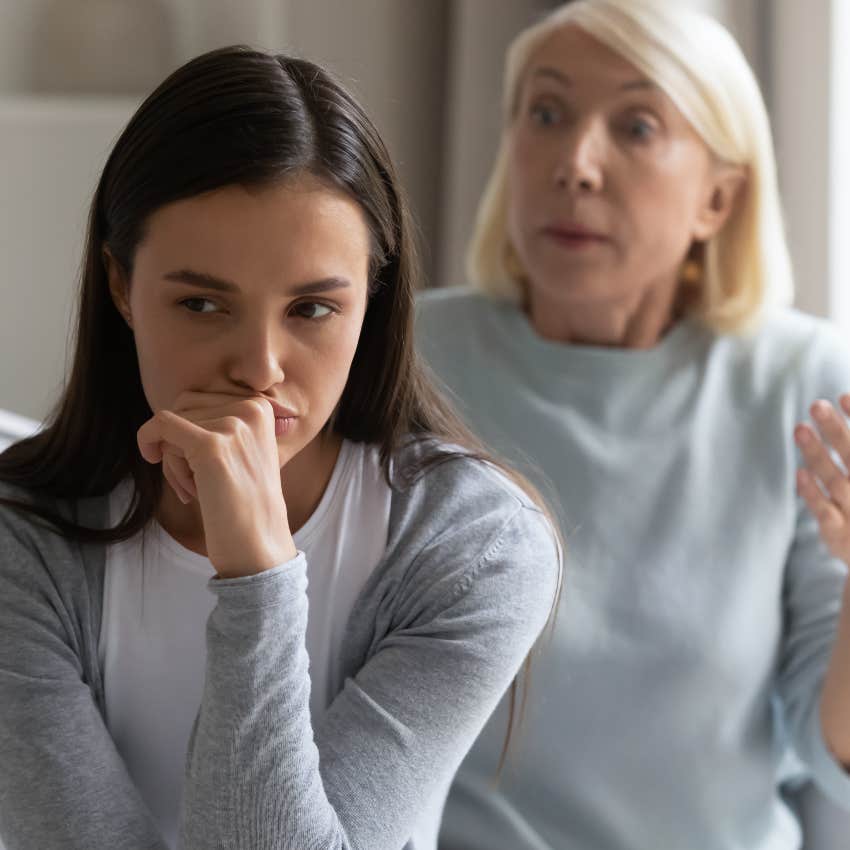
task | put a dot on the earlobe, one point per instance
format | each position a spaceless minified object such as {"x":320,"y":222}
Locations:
{"x":118,"y":288}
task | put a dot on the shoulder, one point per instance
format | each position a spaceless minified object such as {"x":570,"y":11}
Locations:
{"x":797,"y":333}
{"x":802,"y":353}
{"x":18,"y":523}
{"x":466,"y":518}
{"x":426,"y":468}
{"x":34,"y":553}
{"x":460,"y":325}
{"x":447,"y":307}
{"x":446,"y":298}
{"x":91,"y":512}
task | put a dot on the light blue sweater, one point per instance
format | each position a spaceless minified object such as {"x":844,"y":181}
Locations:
{"x":698,"y":597}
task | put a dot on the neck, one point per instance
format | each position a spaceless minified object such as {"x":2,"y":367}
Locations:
{"x":303,"y":482}
{"x":619,"y":323}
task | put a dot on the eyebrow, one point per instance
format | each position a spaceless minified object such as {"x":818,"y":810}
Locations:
{"x":563,"y":79}
{"x":208,"y":281}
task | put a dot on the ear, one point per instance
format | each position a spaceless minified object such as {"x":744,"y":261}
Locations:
{"x":722,"y":193}
{"x":119,"y":286}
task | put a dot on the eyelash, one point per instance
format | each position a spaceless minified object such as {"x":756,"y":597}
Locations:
{"x":537,"y":110}
{"x":332,"y":310}
{"x":648,"y":129}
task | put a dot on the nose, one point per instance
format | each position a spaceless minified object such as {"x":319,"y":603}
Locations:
{"x":257,"y":355}
{"x":580,"y":166}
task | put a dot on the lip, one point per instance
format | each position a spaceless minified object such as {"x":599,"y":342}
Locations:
{"x":281,"y":412}
{"x":283,"y":425}
{"x":284,"y":418}
{"x":574,"y":233}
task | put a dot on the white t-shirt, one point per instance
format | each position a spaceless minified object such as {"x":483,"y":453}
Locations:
{"x":156,"y":604}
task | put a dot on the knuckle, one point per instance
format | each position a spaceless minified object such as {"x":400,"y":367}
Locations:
{"x":217,"y":442}
{"x":230,"y":425}
{"x":830,"y":518}
{"x":841,"y":489}
{"x":256,"y":410}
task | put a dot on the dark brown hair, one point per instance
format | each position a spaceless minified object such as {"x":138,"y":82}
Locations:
{"x":231,"y":116}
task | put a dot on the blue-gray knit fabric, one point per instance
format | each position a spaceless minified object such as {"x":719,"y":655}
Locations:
{"x":698,"y":596}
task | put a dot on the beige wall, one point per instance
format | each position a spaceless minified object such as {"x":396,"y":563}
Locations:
{"x":392,"y":54}
{"x":478,"y":40}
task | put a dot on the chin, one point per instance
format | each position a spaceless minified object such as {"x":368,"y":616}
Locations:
{"x":285,"y":452}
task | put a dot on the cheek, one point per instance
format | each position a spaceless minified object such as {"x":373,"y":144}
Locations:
{"x":662,"y":197}
{"x":662,"y":217}
{"x":329,"y":364}
{"x":525,"y":166}
{"x":521,"y":192}
{"x":165,"y":369}
{"x":168,"y":362}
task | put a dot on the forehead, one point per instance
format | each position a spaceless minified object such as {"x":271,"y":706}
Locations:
{"x":579,"y":61}
{"x":301,"y":229}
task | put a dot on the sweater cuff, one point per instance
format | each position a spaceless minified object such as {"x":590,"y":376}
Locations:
{"x":270,"y":587}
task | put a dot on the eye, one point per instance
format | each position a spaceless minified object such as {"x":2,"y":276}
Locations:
{"x":639,"y":129}
{"x":312,"y":310}
{"x":199,"y":305}
{"x":545,"y":114}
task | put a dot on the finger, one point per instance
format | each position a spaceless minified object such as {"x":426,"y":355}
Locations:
{"x":184,"y":437}
{"x":200,"y":403}
{"x":151,"y":450}
{"x":174,"y":484}
{"x":833,"y":429}
{"x":822,"y":466}
{"x":180,"y":471}
{"x":828,"y":515}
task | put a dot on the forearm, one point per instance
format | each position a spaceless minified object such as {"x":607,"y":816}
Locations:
{"x":835,"y":699}
{"x":252,"y":775}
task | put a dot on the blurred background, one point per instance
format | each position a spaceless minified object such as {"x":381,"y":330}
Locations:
{"x":429,"y":73}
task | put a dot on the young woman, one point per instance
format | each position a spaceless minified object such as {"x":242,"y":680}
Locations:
{"x":628,"y":336}
{"x":245,"y":429}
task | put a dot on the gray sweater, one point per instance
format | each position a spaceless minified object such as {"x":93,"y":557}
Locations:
{"x":440,"y":629}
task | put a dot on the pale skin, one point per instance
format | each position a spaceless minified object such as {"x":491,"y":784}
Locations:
{"x":244,"y":303}
{"x":594,"y":144}
{"x":595,"y":148}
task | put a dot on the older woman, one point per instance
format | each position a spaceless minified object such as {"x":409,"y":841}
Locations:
{"x":628,"y":336}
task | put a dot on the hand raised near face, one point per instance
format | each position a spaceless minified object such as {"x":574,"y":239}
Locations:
{"x":222,"y":450}
{"x":824,"y":483}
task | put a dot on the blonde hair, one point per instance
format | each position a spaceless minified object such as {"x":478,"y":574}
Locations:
{"x":696,"y":62}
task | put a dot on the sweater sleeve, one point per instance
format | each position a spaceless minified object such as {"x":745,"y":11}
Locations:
{"x":259,"y":775}
{"x":812,"y":592}
{"x":63,"y":785}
